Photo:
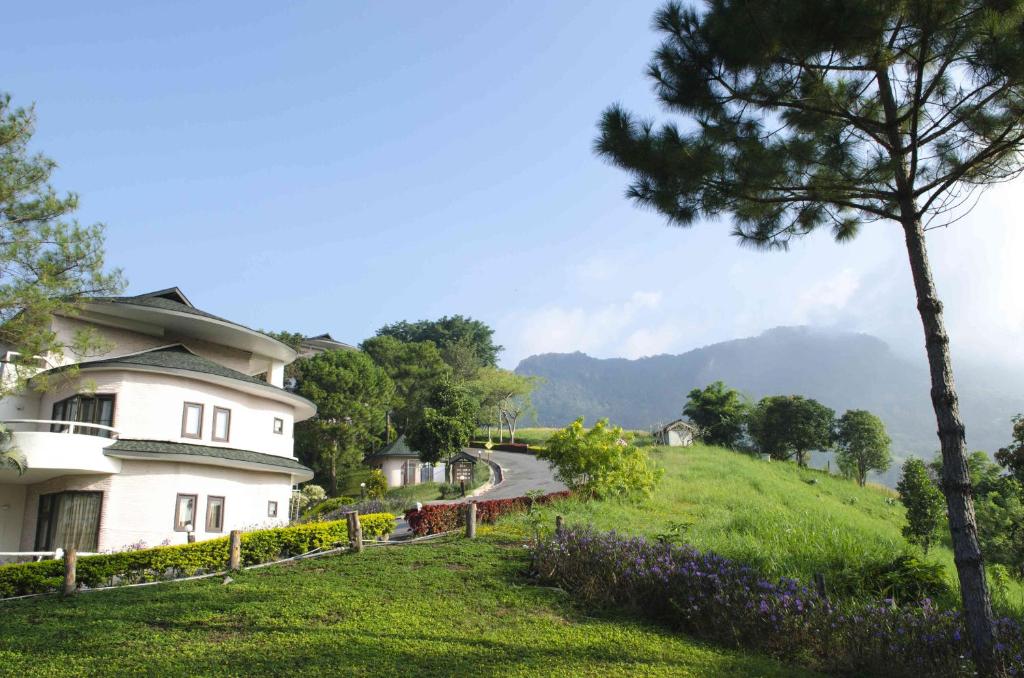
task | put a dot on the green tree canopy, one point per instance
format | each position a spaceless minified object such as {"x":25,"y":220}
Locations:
{"x":352,"y":396}
{"x":416,"y":368}
{"x":48,"y":261}
{"x":719,"y":411}
{"x":800,"y":115}
{"x":465,"y":344}
{"x":923,"y":500}
{"x":862,"y":444}
{"x":1011,"y":457}
{"x":445,"y":425}
{"x":503,"y":394}
{"x":791,"y":426}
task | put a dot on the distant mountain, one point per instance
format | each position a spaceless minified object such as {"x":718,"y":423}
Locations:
{"x":840,"y":369}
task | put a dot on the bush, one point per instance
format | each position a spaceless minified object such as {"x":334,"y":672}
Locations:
{"x":504,"y":447}
{"x":905,"y":579}
{"x":449,"y":490}
{"x":600,"y":462}
{"x":712,"y":597}
{"x":326,"y":506}
{"x":367,"y":507}
{"x":186,"y":559}
{"x":376,"y":484}
{"x":436,"y":518}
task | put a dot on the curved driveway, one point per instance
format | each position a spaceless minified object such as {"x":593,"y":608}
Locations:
{"x":520,"y":474}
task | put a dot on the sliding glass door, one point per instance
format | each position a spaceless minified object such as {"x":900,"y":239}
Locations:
{"x":69,"y":519}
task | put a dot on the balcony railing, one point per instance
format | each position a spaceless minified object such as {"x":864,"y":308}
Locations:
{"x":71,"y":427}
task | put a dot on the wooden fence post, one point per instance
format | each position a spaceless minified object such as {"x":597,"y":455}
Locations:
{"x":819,"y":584}
{"x":471,"y":520}
{"x":70,"y":560}
{"x":235,"y":557}
{"x":559,"y":526}
{"x":355,"y":531}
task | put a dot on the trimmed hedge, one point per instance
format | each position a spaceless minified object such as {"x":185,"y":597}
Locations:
{"x":505,"y":447}
{"x":435,"y":518}
{"x":326,"y":506}
{"x":186,"y":559}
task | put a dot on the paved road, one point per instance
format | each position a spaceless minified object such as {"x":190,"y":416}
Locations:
{"x":522,"y":473}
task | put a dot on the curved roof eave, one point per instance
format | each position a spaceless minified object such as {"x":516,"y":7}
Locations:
{"x":203,"y":327}
{"x":304,"y":409}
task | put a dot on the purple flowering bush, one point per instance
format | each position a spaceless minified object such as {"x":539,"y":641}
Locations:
{"x":712,"y":597}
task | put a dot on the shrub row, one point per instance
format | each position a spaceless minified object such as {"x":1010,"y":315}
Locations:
{"x":435,"y":518}
{"x":503,"y":447}
{"x":712,"y":597}
{"x":186,"y":559}
{"x":326,"y":506}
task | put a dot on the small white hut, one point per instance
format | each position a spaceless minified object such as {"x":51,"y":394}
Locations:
{"x":678,"y":433}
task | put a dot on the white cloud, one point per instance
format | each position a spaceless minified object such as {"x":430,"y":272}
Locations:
{"x":825,"y":300}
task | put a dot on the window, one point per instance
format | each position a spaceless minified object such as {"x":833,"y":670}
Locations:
{"x":69,"y":520}
{"x":215,"y":514}
{"x":185,"y":512}
{"x":271,"y":509}
{"x":192,"y":421}
{"x":221,"y":424}
{"x":87,"y":409}
{"x":278,"y":425}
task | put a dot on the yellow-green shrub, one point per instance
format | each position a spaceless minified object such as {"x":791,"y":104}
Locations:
{"x":187,"y":559}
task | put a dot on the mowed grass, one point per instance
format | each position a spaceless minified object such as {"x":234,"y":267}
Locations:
{"x":432,"y":609}
{"x":784,"y":520}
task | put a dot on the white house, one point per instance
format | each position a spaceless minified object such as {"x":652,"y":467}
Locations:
{"x":181,"y":424}
{"x":678,"y":433}
{"x":401,"y":465}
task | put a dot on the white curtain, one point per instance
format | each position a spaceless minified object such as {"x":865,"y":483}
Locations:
{"x":77,"y":521}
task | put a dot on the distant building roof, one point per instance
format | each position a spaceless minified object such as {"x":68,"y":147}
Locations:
{"x":399,"y":448}
{"x":678,"y":424}
{"x":157,"y":449}
{"x":176,"y":357}
{"x":324,"y":342}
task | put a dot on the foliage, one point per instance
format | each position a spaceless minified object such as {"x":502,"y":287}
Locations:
{"x":905,"y":579}
{"x":308,"y":495}
{"x":926,"y":508}
{"x":186,"y":559}
{"x":788,"y":426}
{"x":352,"y":395}
{"x":465,"y":343}
{"x":376,"y":484}
{"x":444,"y":426}
{"x":862,"y":444}
{"x":1011,"y":457}
{"x":712,"y":597}
{"x":463,"y":610}
{"x":10,"y":456}
{"x":600,"y":462}
{"x":437,"y":518}
{"x":325,"y":506}
{"x":49,"y":262}
{"x":416,"y":368}
{"x":503,"y":394}
{"x":719,"y":411}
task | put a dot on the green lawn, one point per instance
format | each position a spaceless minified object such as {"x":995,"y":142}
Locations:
{"x":433,"y":609}
{"x":767,"y":514}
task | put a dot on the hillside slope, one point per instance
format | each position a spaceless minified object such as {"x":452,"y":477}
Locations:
{"x":842,"y":370}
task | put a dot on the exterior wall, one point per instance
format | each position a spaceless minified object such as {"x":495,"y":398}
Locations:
{"x":12,"y":507}
{"x":394,"y":471}
{"x":139,"y":503}
{"x":149,"y":406}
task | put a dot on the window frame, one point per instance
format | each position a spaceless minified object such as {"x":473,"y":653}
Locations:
{"x":213,"y":427}
{"x":223,"y":503}
{"x":278,"y":426}
{"x":78,"y":401}
{"x":184,"y":420}
{"x":271,"y":508}
{"x":53,"y":498}
{"x":177,"y":511}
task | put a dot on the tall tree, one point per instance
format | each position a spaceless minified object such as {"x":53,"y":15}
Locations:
{"x":791,"y":426}
{"x":501,"y":396}
{"x":804,"y":114}
{"x":445,"y":425}
{"x":1011,"y":457}
{"x":48,"y":261}
{"x":862,"y":444}
{"x":351,"y":394}
{"x":719,"y":411}
{"x":923,"y":501}
{"x":465,"y":344}
{"x":416,"y":368}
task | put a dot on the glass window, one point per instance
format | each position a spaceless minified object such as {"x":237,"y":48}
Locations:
{"x":98,"y":409}
{"x":185,"y":512}
{"x":272,"y":509}
{"x":278,"y":425}
{"x":215,"y":514}
{"x":192,"y":421}
{"x":221,"y":424}
{"x":69,"y":520}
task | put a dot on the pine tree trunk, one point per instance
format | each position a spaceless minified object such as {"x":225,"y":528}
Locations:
{"x":956,"y":481}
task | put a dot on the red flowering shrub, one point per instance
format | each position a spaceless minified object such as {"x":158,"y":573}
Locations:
{"x":435,"y":518}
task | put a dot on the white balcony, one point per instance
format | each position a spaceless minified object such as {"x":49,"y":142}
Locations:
{"x":75,"y":449}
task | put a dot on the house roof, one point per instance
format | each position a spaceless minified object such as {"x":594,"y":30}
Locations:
{"x":677,"y":424}
{"x":176,"y":357}
{"x":399,"y":448}
{"x":170,"y":299}
{"x":326,"y":341}
{"x":157,"y":449}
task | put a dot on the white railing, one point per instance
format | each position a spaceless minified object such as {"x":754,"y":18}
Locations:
{"x":58,"y":554}
{"x":72,"y":426}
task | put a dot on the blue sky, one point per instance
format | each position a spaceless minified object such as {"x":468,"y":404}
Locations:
{"x":337,"y":166}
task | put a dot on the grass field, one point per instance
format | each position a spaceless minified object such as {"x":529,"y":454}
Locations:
{"x":784,"y":520}
{"x":434,"y":609}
